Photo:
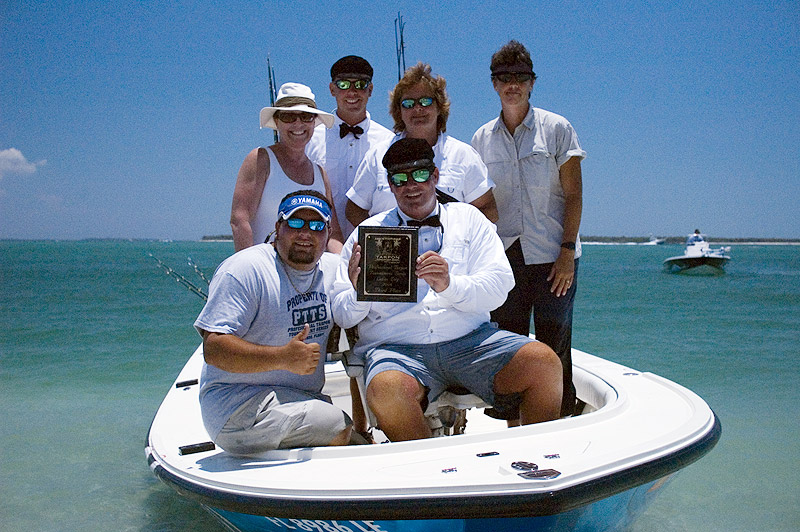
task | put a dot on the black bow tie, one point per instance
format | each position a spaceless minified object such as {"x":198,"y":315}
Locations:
{"x":344,"y":129}
{"x":432,"y":221}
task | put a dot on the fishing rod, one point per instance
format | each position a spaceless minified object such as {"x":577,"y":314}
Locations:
{"x":272,"y":91}
{"x":198,"y":271}
{"x":181,"y":279}
{"x":400,"y":44}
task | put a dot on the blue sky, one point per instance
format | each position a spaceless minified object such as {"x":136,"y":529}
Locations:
{"x":130,"y":119}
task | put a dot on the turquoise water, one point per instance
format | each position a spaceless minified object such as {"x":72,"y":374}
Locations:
{"x":92,"y":334}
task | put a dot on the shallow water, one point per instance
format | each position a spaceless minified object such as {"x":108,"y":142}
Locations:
{"x":94,"y":333}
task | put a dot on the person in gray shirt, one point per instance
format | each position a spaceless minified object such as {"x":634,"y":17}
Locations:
{"x":265,"y":329}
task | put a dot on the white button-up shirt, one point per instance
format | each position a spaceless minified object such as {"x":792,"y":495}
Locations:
{"x":340,"y":157}
{"x":480,"y":279}
{"x":525,"y":169}
{"x":462,"y":174}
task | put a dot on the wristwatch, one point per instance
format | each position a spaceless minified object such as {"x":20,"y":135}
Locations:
{"x":568,"y":245}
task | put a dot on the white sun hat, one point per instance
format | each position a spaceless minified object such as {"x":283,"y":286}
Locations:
{"x":295,"y":97}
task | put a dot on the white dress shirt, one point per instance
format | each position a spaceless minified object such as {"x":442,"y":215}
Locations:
{"x":480,"y":279}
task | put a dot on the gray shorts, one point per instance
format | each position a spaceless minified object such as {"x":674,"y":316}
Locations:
{"x":282,"y":418}
{"x":470,"y":362}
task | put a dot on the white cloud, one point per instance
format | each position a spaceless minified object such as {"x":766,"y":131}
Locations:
{"x":12,"y":161}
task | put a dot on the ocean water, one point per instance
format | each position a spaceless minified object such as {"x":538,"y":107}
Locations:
{"x":93,"y":333}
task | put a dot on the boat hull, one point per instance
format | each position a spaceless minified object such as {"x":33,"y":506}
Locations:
{"x":617,"y":512}
{"x":607,"y":465}
{"x":696,"y":265}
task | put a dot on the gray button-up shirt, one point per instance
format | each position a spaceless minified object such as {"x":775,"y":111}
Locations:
{"x":525,"y":170}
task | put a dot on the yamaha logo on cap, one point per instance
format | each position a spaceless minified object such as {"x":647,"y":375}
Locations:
{"x":295,"y":203}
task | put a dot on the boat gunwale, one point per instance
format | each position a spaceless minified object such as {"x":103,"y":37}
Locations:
{"x":458,"y":506}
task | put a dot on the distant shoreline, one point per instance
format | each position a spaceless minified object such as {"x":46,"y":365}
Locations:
{"x":682,"y":240}
{"x":624,"y":240}
{"x":587,"y":240}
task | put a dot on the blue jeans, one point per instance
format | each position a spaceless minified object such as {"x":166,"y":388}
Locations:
{"x":552,"y":316}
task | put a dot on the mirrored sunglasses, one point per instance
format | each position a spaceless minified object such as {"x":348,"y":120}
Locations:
{"x":288,"y":118}
{"x":409,"y":103}
{"x":299,"y":223}
{"x":345,"y":84}
{"x":419,"y":175}
{"x":519,"y":77}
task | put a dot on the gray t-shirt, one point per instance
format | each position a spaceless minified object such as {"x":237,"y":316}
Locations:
{"x":251,"y":297}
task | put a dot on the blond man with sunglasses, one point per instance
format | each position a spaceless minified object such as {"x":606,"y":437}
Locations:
{"x":341,"y":148}
{"x":420,"y":106}
{"x":269,"y":173}
{"x":534,"y":158}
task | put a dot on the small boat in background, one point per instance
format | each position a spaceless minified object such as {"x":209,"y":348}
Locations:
{"x":654,"y":241}
{"x":699,"y":258}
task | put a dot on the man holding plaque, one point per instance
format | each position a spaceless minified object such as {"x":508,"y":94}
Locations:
{"x":415,"y":350}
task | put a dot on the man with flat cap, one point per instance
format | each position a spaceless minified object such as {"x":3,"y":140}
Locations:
{"x":415,"y":351}
{"x":340,"y":149}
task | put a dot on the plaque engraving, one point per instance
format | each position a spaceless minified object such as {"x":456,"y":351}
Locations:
{"x":388,"y":262}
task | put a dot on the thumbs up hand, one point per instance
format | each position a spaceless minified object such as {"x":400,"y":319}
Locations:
{"x":302,"y":358}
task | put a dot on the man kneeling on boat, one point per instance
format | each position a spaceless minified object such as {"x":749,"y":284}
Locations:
{"x":265,"y":328}
{"x":416,"y":351}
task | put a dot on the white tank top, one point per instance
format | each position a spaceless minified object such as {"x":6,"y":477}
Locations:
{"x":277,"y":186}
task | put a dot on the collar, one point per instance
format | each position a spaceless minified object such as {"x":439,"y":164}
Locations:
{"x":405,"y":218}
{"x":437,"y":148}
{"x":529,"y":121}
{"x":364,"y":123}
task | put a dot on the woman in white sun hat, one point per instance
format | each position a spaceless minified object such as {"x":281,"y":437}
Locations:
{"x":270,"y":173}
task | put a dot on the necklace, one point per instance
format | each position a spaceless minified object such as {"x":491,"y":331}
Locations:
{"x":285,"y":271}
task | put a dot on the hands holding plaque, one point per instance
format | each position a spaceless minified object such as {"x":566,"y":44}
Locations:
{"x":385,"y":265}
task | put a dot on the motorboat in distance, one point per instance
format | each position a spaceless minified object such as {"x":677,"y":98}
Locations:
{"x":699,"y":258}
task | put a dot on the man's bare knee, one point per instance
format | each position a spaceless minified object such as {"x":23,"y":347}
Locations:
{"x":393,"y":385}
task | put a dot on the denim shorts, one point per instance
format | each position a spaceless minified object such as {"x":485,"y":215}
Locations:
{"x":470,"y":362}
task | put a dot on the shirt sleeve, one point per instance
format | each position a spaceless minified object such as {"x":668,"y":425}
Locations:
{"x":230,"y":308}
{"x":476,"y":175}
{"x":347,"y":310}
{"x":484,"y":284}
{"x":365,"y":181}
{"x":568,"y":145}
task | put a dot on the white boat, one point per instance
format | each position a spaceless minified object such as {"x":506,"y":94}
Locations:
{"x":595,"y":471}
{"x":698,"y":257}
{"x":654,"y":241}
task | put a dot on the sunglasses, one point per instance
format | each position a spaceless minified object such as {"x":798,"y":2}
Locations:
{"x":359,"y":84}
{"x":289,"y":118}
{"x":409,"y":103}
{"x":299,"y":223}
{"x":519,"y":77}
{"x":419,"y":175}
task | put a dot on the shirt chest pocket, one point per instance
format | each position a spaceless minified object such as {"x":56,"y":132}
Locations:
{"x":457,"y":257}
{"x":451,"y":180}
{"x":539,"y":167}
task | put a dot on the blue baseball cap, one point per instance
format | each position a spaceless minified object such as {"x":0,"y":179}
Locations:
{"x":290,"y":205}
